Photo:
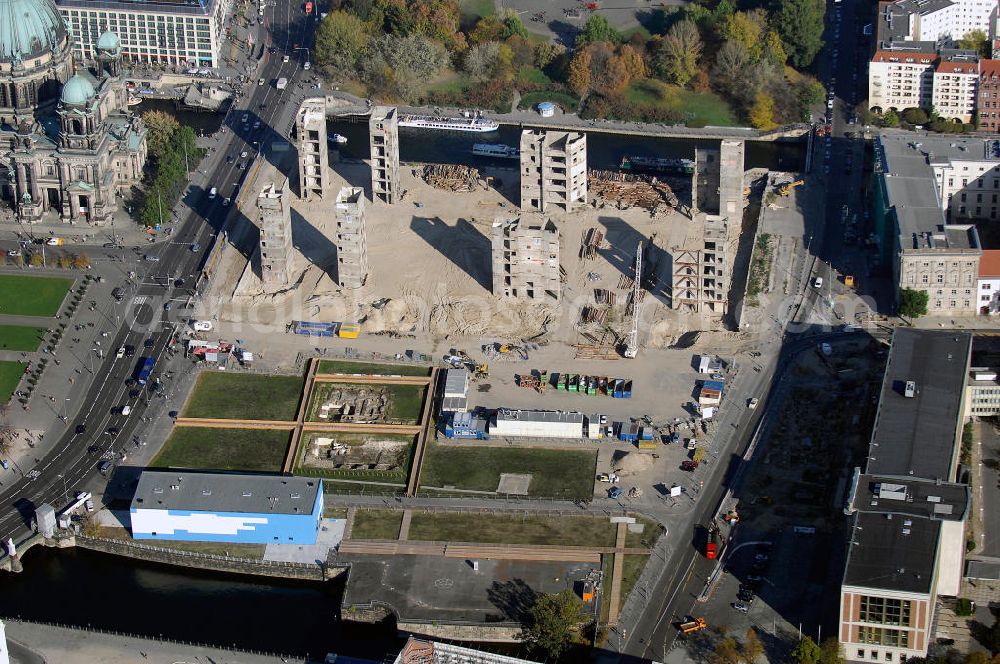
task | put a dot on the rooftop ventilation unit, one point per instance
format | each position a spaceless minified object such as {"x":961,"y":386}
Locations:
{"x":890,"y":491}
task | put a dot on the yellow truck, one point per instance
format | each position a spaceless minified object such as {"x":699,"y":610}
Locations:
{"x":693,"y":625}
{"x":348,"y":331}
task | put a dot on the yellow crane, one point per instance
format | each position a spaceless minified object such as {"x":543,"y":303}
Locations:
{"x":786,"y":189}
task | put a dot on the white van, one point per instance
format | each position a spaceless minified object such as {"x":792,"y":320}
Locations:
{"x":126,"y":410}
{"x":202,"y":325}
{"x":212,"y":192}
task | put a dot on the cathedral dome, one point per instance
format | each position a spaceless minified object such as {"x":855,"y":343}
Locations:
{"x":77,"y":90}
{"x":29,"y":28}
{"x":109,"y":41}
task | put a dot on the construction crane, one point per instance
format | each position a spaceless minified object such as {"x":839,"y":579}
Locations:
{"x":632,"y":345}
{"x":786,"y":189}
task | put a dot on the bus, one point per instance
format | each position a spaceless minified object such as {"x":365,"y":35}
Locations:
{"x":146,"y":365}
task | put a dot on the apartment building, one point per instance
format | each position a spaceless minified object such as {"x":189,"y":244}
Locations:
{"x":908,"y":512}
{"x":157,"y":31}
{"x":553,"y":170}
{"x":927,"y":251}
{"x":954,"y":86}
{"x":982,"y":383}
{"x":915,"y":77}
{"x":988,"y":284}
{"x":988,"y":96}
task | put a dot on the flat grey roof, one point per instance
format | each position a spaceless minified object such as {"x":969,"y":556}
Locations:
{"x":223,"y":492}
{"x":539,"y":415}
{"x":456,"y":381}
{"x":193,"y":7}
{"x":882,"y":556}
{"x":916,"y":436}
{"x":924,"y":499}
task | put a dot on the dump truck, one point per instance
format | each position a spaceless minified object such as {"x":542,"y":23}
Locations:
{"x":712,"y":542}
{"x":693,"y":625}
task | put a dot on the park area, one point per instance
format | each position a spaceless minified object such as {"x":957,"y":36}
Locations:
{"x":224,"y":449}
{"x":245,"y":397}
{"x":372,"y":369}
{"x":21,"y":337}
{"x":560,"y":474}
{"x":10,"y":376}
{"x":32,"y":296}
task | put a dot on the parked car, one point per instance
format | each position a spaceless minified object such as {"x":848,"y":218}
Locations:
{"x":689,"y":465}
{"x":741,"y":607}
{"x":81,"y":428}
{"x":616,"y":492}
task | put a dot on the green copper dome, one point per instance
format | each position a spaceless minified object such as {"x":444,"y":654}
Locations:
{"x":29,"y":28}
{"x":77,"y":90}
{"x":109,"y":41}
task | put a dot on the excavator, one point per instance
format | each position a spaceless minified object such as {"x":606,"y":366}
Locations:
{"x":787,"y":189}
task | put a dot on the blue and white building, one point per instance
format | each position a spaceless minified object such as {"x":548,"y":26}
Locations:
{"x":221,"y":507}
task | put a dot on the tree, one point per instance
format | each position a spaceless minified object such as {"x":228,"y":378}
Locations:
{"x":774,"y":50}
{"x":37,"y":260}
{"x":551,"y":622}
{"x":726,"y":652}
{"x":597,"y":29}
{"x":731,"y":63}
{"x":912,"y":303}
{"x":546,"y":52}
{"x":632,"y":61}
{"x":81,"y":261}
{"x":64,"y":261}
{"x":800,"y":25}
{"x":488,"y":28}
{"x":512,"y":23}
{"x":160,"y":127}
{"x":608,"y":74}
{"x":915,"y":116}
{"x":578,"y":78}
{"x":890,"y":119}
{"x":397,"y":65}
{"x":762,"y":112}
{"x":993,"y":638}
{"x":752,"y":647}
{"x":831,"y":652}
{"x":677,"y":58}
{"x":806,"y":652}
{"x":748,"y":29}
{"x":340,"y":40}
{"x":976,"y":40}
{"x":480,"y":61}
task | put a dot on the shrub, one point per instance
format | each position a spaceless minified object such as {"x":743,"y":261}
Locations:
{"x":964,"y":607}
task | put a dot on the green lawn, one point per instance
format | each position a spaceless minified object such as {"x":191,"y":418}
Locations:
{"x":565,"y":474}
{"x":32,"y":296}
{"x":503,"y":529}
{"x":404,"y":400}
{"x":649,"y":534}
{"x":20,"y":337}
{"x":369,"y":368}
{"x":10,"y":376}
{"x":224,"y":449}
{"x":632,"y":567}
{"x":568,"y":102}
{"x":528,"y":74}
{"x":477,"y":9}
{"x":702,"y":108}
{"x":245,"y":397}
{"x":376,"y":524}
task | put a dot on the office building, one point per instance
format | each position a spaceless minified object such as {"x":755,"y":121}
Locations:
{"x":223,"y":507}
{"x":553,"y":170}
{"x":988,"y":284}
{"x":982,"y":384}
{"x":420,"y":651}
{"x":526,"y":258}
{"x":158,"y":31}
{"x":352,"y":245}
{"x":907,"y":510}
{"x":274,"y":219}
{"x":537,"y":424}
{"x":926,"y":193}
{"x":383,"y":135}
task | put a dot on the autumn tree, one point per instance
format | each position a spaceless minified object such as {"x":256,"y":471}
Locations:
{"x":731,"y":64}
{"x":976,"y":40}
{"x":762,"y":112}
{"x":81,"y":261}
{"x":579,"y":72}
{"x":748,"y":29}
{"x":480,"y":61}
{"x":677,"y":58}
{"x":806,"y":652}
{"x":752,"y":647}
{"x":37,"y":260}
{"x":608,"y":74}
{"x":632,"y":61}
{"x":726,"y":652}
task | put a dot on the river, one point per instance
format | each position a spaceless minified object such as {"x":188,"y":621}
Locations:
{"x":85,"y":588}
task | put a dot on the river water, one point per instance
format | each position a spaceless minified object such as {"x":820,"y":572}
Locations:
{"x":85,"y":588}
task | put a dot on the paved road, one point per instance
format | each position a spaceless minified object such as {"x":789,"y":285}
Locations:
{"x":69,"y":464}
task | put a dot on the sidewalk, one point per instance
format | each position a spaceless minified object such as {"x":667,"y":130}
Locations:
{"x":80,"y":646}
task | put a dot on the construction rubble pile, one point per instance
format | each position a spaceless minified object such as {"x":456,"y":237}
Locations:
{"x":626,"y":190}
{"x":451,"y":177}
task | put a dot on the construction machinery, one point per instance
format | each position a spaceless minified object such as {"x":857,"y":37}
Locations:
{"x":692,"y":625}
{"x":789,"y":187}
{"x":632,"y":345}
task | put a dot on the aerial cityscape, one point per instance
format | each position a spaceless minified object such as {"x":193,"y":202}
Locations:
{"x":499,"y":331}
